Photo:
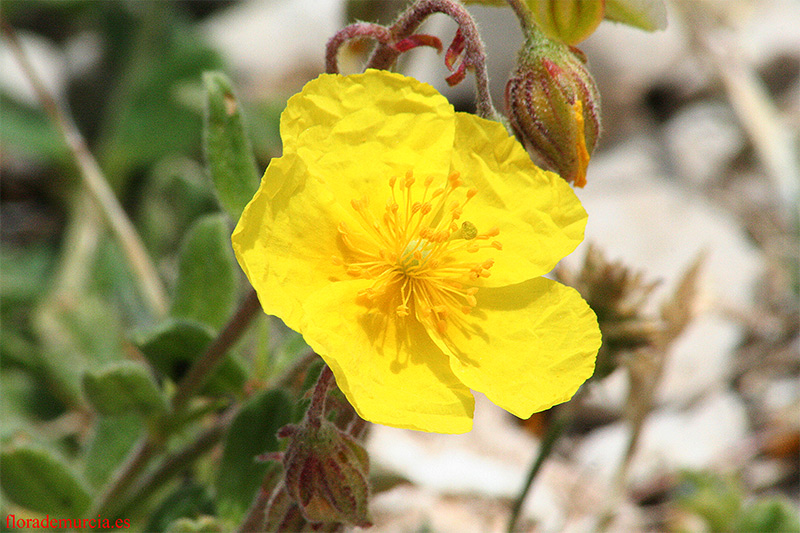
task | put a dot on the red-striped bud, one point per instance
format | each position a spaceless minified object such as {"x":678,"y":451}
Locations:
{"x":326,"y":474}
{"x":554,"y":107}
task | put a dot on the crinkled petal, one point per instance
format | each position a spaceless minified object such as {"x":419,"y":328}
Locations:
{"x":389,"y":369}
{"x":358,"y":131}
{"x":286,"y":243}
{"x":527,"y":346}
{"x":539,"y":217}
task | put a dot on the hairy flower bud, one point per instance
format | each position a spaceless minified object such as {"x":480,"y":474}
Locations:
{"x":568,"y":21}
{"x":554,"y":107}
{"x":326,"y":474}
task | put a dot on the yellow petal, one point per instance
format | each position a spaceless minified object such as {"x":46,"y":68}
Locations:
{"x":539,"y":217}
{"x":360,"y":130}
{"x":387,"y":367}
{"x":527,"y":346}
{"x":286,"y":243}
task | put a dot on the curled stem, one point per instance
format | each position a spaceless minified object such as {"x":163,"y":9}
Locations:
{"x":474,"y":58}
{"x":353,"y":31}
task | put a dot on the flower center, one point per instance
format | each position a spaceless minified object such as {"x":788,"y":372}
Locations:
{"x":417,"y":252}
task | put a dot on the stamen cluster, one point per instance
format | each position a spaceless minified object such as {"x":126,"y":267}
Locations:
{"x":416,"y":251}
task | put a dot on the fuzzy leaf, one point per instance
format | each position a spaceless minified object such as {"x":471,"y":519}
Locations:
{"x":228,"y":151}
{"x":206,"y":287}
{"x":113,"y":438}
{"x":121,"y":388}
{"x":175,"y":343}
{"x":252,"y":433}
{"x":36,"y":479}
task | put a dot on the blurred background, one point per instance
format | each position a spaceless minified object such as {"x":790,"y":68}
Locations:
{"x":697,"y":166}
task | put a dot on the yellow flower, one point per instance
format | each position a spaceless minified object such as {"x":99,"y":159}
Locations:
{"x":405,"y":242}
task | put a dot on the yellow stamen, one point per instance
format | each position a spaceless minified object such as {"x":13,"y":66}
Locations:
{"x":416,"y":254}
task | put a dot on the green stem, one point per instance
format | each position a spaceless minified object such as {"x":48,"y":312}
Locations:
{"x":524,"y":14}
{"x":108,"y":500}
{"x":545,"y":449}
{"x":177,"y":462}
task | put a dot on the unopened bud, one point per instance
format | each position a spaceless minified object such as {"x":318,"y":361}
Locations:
{"x":554,"y":107}
{"x":568,"y":21}
{"x":326,"y":474}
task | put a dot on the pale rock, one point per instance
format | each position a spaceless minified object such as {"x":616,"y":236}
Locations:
{"x":489,"y":460}
{"x":703,"y":139}
{"x":770,"y":30}
{"x":48,"y":62}
{"x":655,"y":226}
{"x":276,"y":44}
{"x":696,"y":438}
{"x":700,"y":360}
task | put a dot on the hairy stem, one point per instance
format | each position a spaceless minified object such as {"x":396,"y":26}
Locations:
{"x":208,"y":362}
{"x":475,"y":55}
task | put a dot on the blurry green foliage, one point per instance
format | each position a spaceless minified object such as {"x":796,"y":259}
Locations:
{"x":719,"y":500}
{"x":207,"y":287}
{"x":252,"y":433}
{"x":122,"y":388}
{"x":36,"y":478}
{"x":172,"y":346}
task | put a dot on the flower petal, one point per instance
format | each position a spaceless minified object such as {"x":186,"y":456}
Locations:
{"x":286,"y":242}
{"x":360,"y":130}
{"x":387,"y":367}
{"x":527,"y":346}
{"x":539,"y":217}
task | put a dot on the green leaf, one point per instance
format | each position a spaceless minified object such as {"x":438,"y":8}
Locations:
{"x":29,"y":132}
{"x":648,"y":15}
{"x":769,"y":515}
{"x":112,"y":440}
{"x":173,"y":345}
{"x":121,"y":388}
{"x":252,"y":433}
{"x":204,"y":524}
{"x":189,"y":500}
{"x":36,"y":479}
{"x":228,"y":151}
{"x":206,"y":288}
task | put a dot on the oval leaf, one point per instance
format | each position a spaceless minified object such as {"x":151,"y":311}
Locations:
{"x":252,"y":433}
{"x":121,"y":388}
{"x":172,"y":346}
{"x":36,"y":479}
{"x":206,"y":288}
{"x":228,"y":152}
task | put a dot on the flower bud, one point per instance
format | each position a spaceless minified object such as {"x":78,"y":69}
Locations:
{"x":568,"y":21}
{"x":326,"y":474}
{"x":554,"y":107}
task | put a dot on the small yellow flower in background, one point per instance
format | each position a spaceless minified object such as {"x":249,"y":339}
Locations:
{"x":405,"y":242}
